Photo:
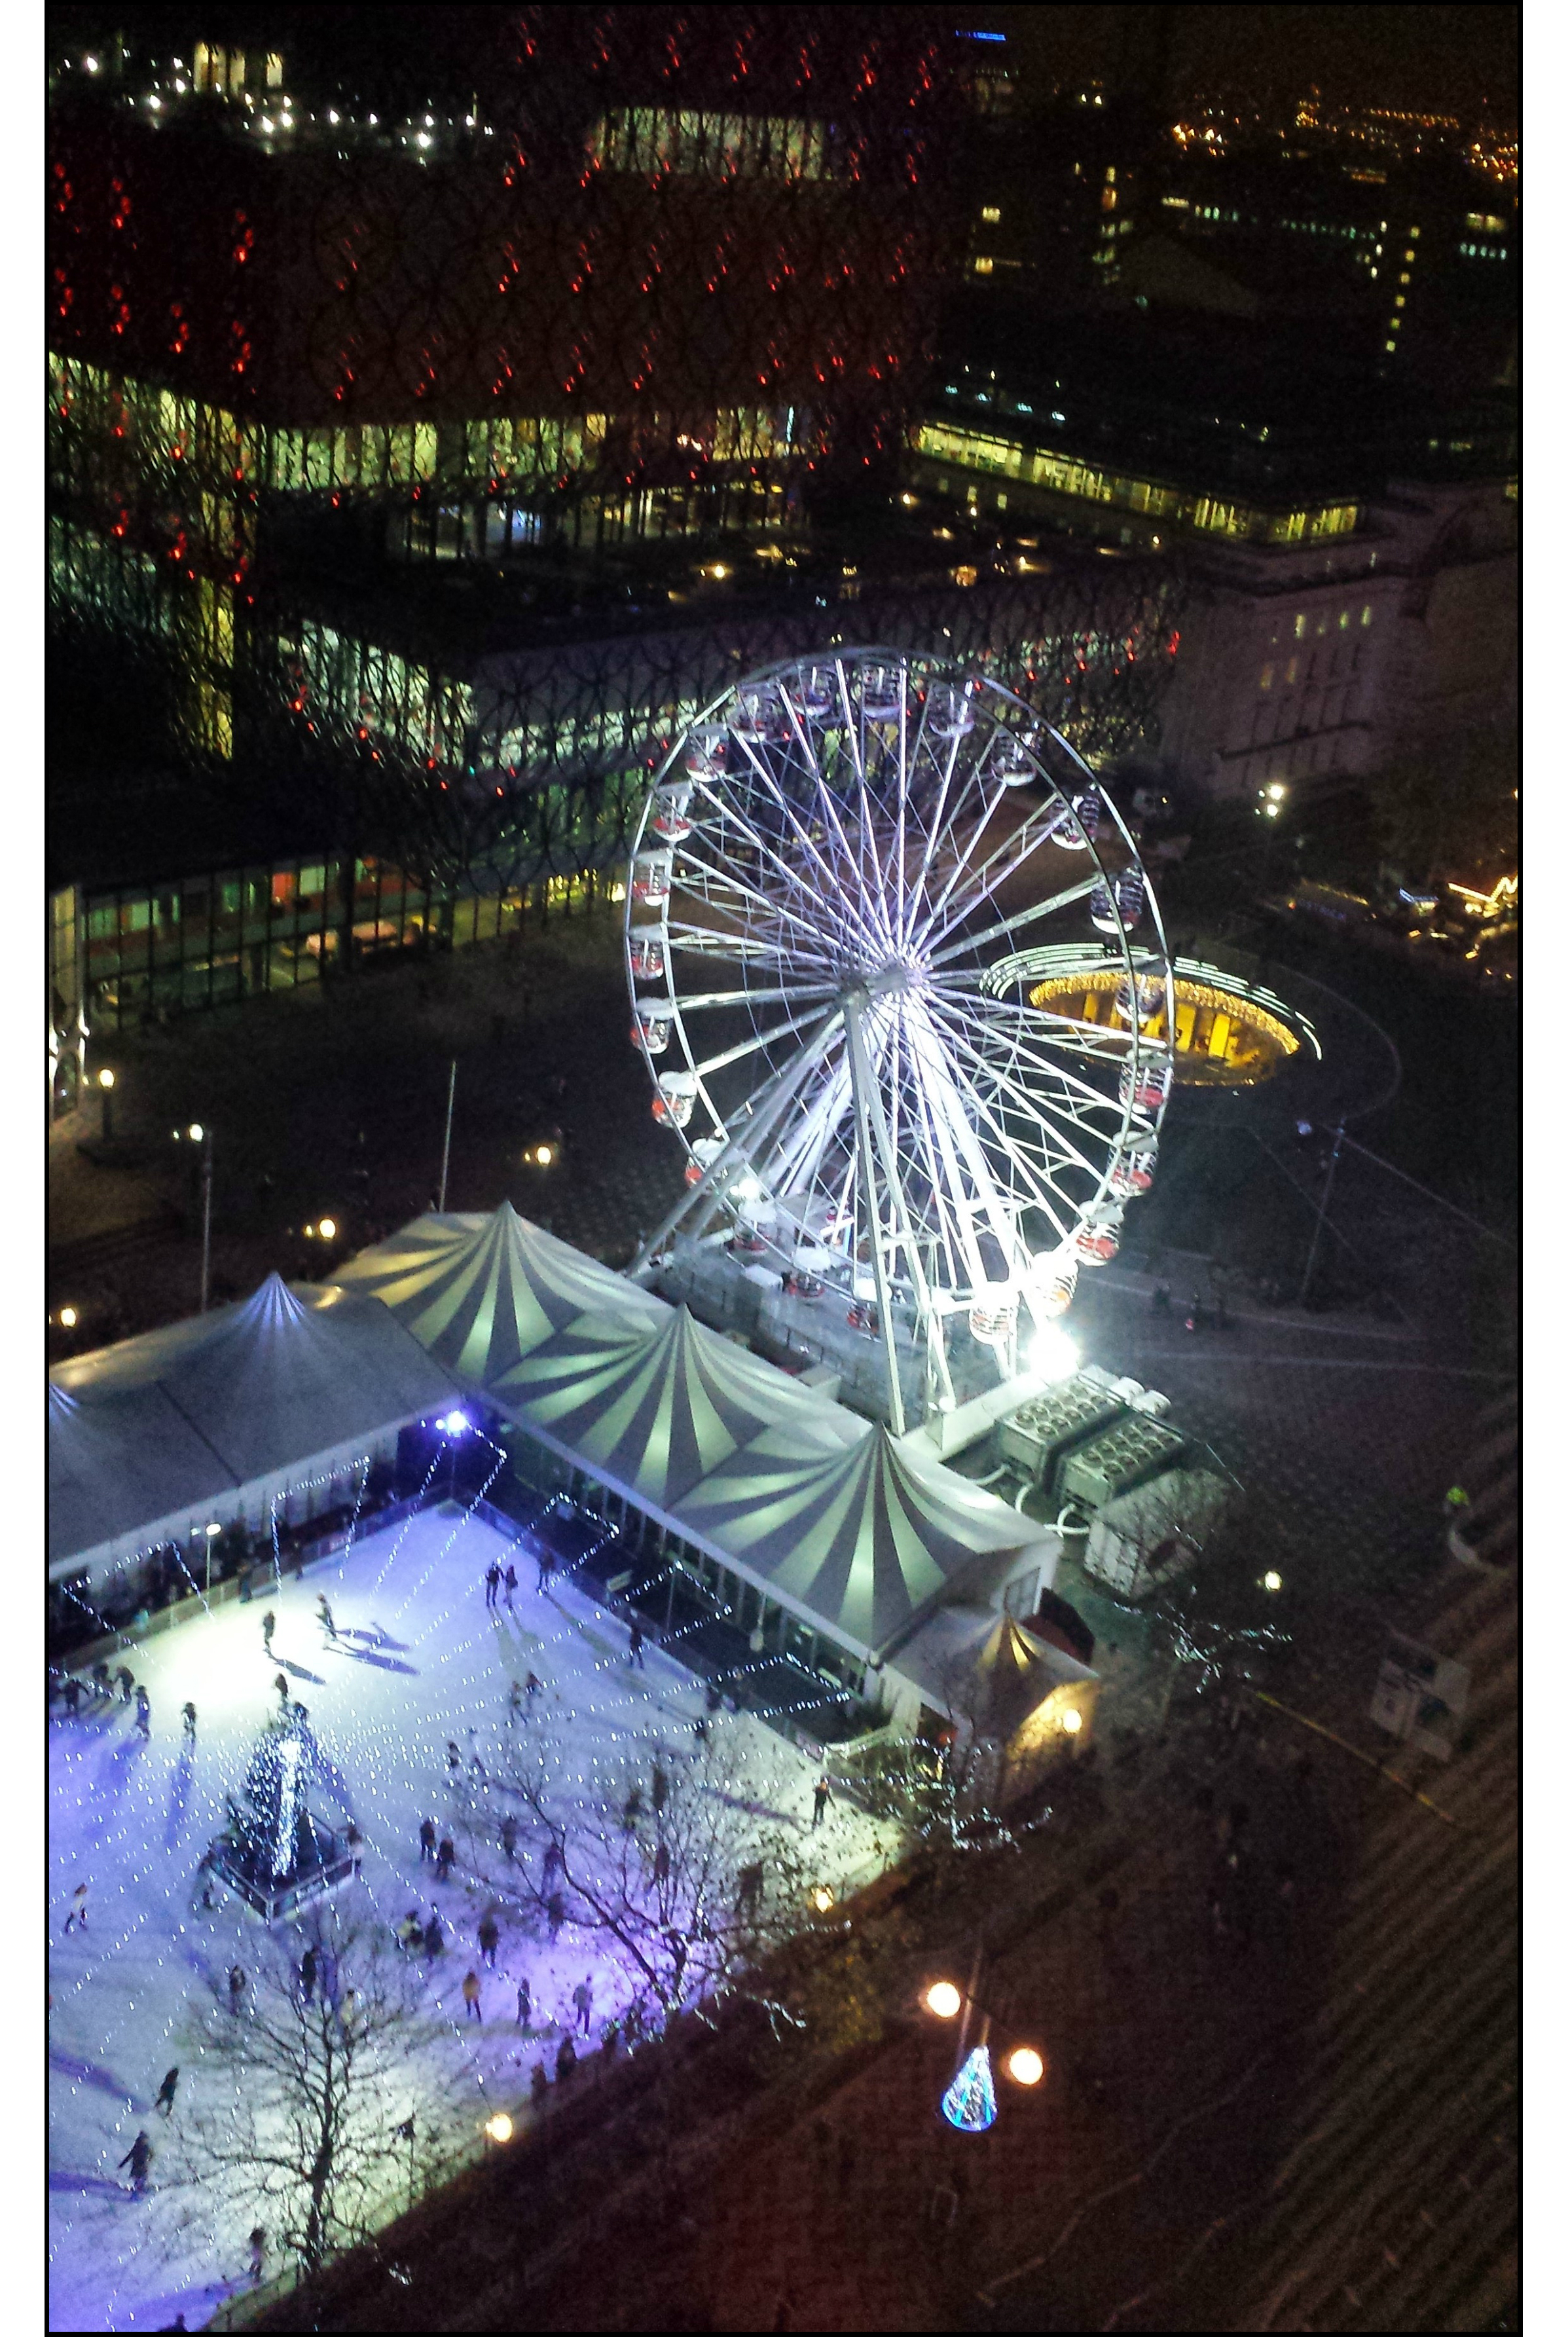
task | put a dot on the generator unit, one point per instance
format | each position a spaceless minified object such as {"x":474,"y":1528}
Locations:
{"x":1048,"y":1425}
{"x":1121,"y":1456}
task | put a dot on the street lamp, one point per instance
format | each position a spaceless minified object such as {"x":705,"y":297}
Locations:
{"x":106,"y":1103}
{"x":196,"y":1134}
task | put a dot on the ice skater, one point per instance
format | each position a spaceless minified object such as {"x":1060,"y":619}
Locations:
{"x":166,"y":2091}
{"x":820,"y":1798}
{"x":308,"y":1967}
{"x":281,"y":1684}
{"x":78,"y":1908}
{"x":435,"y":1938}
{"x":489,"y":1937}
{"x":126,"y":1683}
{"x":102,"y":1690}
{"x":513,"y":1702}
{"x":427,"y":1841}
{"x":257,"y":2243}
{"x":138,"y":2158}
{"x":144,"y":1713}
{"x":582,"y":1997}
{"x":236,"y":1987}
{"x":491,"y":1583}
{"x":268,"y":1625}
{"x":471,"y":1997}
{"x":454,"y":1759}
{"x":634,"y":1647}
{"x":188,"y":1715}
{"x":324,"y":1617}
{"x":509,"y":1839}
{"x":545,"y":1562}
{"x":445,"y":1858}
{"x":510,"y":1584}
{"x":525,"y":2002}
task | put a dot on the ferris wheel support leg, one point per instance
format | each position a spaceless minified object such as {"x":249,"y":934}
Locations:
{"x":859,"y":1081}
{"x":771,"y":1106}
{"x":938,"y":1385}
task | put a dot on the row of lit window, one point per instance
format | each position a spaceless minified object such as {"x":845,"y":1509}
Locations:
{"x":1484,"y":252}
{"x":1067,"y":476}
{"x":712,"y":146}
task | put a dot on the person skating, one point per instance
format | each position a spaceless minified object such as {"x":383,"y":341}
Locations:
{"x":471,"y":1997}
{"x":307,"y":1970}
{"x":126,"y":1683}
{"x":661,"y":1864}
{"x":444,"y":1859}
{"x":323,"y":1616}
{"x":492,"y":1583}
{"x":188,"y":1715}
{"x":820,"y":1792}
{"x":435,"y":1938}
{"x":534,"y":1685}
{"x":525,"y":2002}
{"x":138,"y":2158}
{"x":143,"y":1712}
{"x":454,"y":1759}
{"x":411,"y":1931}
{"x":236,"y":1987}
{"x":555,"y":1909}
{"x":546,"y":1561}
{"x":634,"y":1647}
{"x":427,"y":1841}
{"x":554,"y":1861}
{"x":78,"y":1913}
{"x":509,"y":1839}
{"x":257,"y":2243}
{"x":510,"y":1583}
{"x":489,"y":1937}
{"x":102,"y":1690}
{"x":268,"y":1625}
{"x":513,"y":1702}
{"x":354,"y":1843}
{"x":281,"y":1684}
{"x":166,"y":2091}
{"x":72,"y":1692}
{"x":582,"y":1997}
{"x":661,"y":1789}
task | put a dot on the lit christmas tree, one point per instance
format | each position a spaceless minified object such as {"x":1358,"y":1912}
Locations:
{"x":971,"y":2102}
{"x":274,"y":1851}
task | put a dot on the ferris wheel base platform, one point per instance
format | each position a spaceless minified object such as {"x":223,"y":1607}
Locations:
{"x":952,"y":1431}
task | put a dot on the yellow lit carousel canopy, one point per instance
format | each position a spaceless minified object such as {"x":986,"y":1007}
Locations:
{"x":1226,"y":1035}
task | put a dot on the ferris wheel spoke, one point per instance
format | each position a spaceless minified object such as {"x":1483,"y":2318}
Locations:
{"x":1031,"y":1099}
{"x":971,"y":885}
{"x":828,"y":876}
{"x":758,"y":1042}
{"x":1082,"y":1095}
{"x":1006,"y":927}
{"x":771,"y":911}
{"x":778,"y":997}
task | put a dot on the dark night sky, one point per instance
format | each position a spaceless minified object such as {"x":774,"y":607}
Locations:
{"x":1444,"y":57}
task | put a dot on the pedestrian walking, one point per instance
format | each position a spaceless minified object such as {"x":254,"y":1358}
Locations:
{"x":555,"y":1909}
{"x":489,"y":1937}
{"x":143,"y":1712}
{"x":281,"y":1684}
{"x":138,"y":2158}
{"x":509,"y":1839}
{"x":444,"y":1859}
{"x":268,"y":1625}
{"x":323,"y":1616}
{"x":435,"y":1938}
{"x":236,"y":1986}
{"x":188,"y":1715}
{"x":634,"y":1647}
{"x":492,"y":1583}
{"x":471,"y":1997}
{"x":166,"y":2091}
{"x":258,"y":2247}
{"x":427,"y":1841}
{"x":524,"y":2003}
{"x":820,"y":1797}
{"x":511,"y":1582}
{"x":582,"y":1997}
{"x":78,"y":1913}
{"x":307,"y":1970}
{"x":565,"y":2061}
{"x":126,"y":1683}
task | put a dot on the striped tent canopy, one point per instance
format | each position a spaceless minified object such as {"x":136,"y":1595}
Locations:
{"x":481,"y":1292}
{"x":653,"y":1412}
{"x":865,"y":1539}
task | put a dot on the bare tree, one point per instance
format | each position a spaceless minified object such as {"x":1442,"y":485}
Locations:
{"x":312,"y":2098}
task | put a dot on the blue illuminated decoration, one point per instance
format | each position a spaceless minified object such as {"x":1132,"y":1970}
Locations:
{"x":971,"y":2102}
{"x":456,"y":1424}
{"x":965,"y":36}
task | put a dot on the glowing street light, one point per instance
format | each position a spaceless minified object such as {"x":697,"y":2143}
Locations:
{"x":68,"y":1318}
{"x":1273,"y":1582}
{"x":329,"y":1228}
{"x":106,"y":1104}
{"x":944,"y":2000}
{"x":1025,"y":2066}
{"x":970,"y":2101}
{"x":499,"y":2128}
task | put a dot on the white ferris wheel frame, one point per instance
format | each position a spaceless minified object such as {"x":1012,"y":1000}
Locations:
{"x":908,"y":1115}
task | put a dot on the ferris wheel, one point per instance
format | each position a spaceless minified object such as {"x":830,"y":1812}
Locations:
{"x":828,"y":898}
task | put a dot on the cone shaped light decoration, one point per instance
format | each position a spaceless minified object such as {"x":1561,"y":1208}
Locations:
{"x":971,"y":2102}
